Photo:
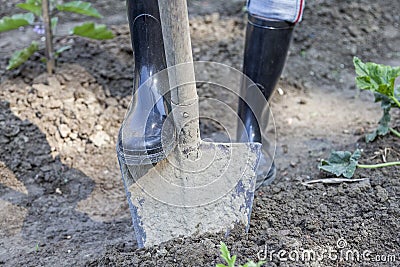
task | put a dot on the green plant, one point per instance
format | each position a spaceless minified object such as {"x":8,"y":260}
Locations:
{"x":42,"y":17}
{"x":379,"y":79}
{"x":230,"y":260}
{"x":345,"y":163}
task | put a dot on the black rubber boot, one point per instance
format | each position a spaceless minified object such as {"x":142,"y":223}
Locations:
{"x":266,"y":47}
{"x":140,"y":138}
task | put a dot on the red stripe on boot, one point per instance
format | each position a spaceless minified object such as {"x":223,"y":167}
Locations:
{"x":300,"y":11}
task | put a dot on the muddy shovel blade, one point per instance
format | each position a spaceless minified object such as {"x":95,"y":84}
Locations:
{"x":180,"y":197}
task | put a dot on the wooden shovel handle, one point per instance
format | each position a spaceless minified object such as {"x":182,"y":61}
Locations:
{"x":178,"y":50}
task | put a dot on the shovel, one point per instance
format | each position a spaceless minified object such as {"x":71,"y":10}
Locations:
{"x":200,"y":187}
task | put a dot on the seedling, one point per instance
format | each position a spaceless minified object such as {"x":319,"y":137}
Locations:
{"x":379,"y":79}
{"x":345,"y":163}
{"x":230,"y":260}
{"x":42,"y":17}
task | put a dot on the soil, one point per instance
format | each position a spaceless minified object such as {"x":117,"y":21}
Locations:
{"x":62,"y":201}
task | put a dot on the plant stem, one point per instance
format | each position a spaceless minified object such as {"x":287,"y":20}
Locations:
{"x":373,"y":166}
{"x":50,"y":64}
{"x":396,"y":101}
{"x":394,"y":132}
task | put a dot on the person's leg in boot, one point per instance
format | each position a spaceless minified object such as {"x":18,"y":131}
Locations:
{"x":140,"y":137}
{"x":268,"y":36}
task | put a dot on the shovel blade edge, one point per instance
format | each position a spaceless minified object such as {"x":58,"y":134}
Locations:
{"x":178,"y":197}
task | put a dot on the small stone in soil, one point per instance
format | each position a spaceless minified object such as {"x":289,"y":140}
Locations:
{"x":64,"y":130}
{"x":73,"y":136}
{"x":382,"y":194}
{"x":99,"y":138}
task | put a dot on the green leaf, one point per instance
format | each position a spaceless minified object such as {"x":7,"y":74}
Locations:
{"x":386,"y":102}
{"x":371,"y":136}
{"x":80,"y":7}
{"x":16,"y":21}
{"x":61,"y":49}
{"x":232,"y":261}
{"x":93,"y":31}
{"x":54,"y":22}
{"x":341,"y":163}
{"x":376,"y":77}
{"x":34,"y":6}
{"x":383,"y":127}
{"x":225,"y":252}
{"x":19,"y":57}
{"x":226,"y":255}
{"x":379,"y":79}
